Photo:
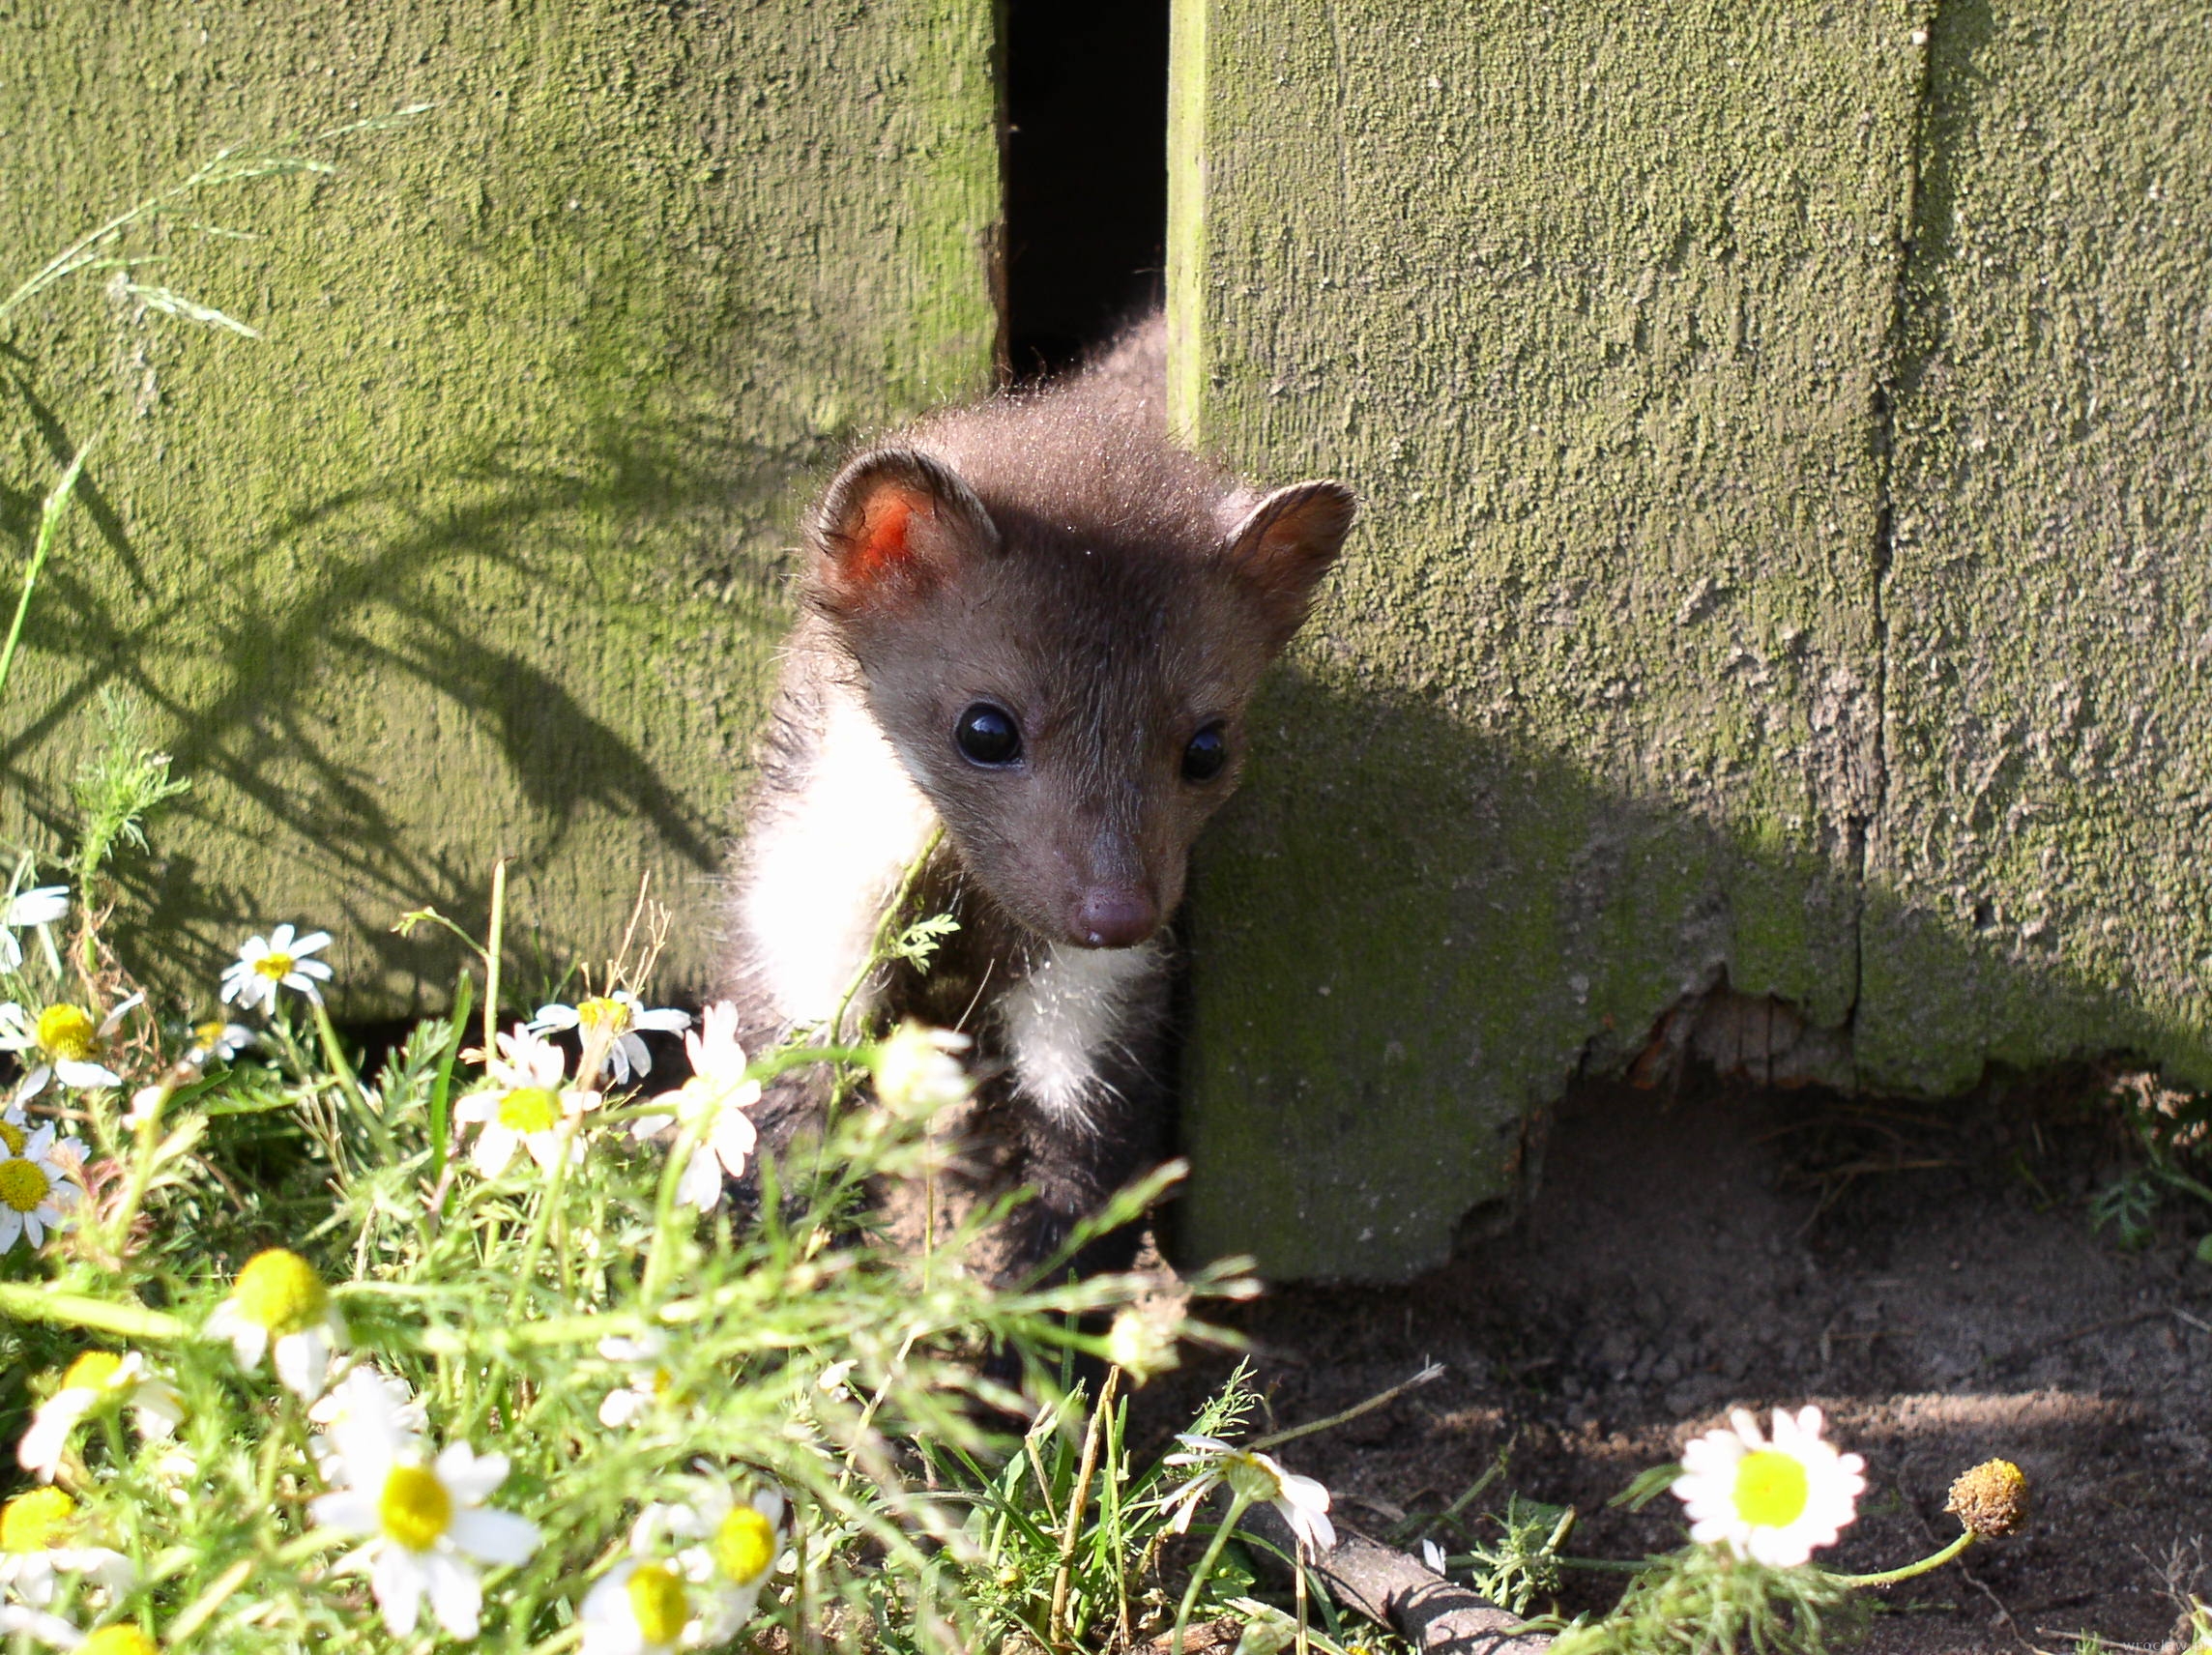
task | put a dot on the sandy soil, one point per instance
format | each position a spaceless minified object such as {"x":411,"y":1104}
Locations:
{"x":1926,"y":1274}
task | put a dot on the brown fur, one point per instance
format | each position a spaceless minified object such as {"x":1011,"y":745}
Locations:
{"x":1055,"y":555}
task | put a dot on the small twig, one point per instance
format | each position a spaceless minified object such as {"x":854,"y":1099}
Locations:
{"x":1072,"y":1530}
{"x":1435,"y":1370}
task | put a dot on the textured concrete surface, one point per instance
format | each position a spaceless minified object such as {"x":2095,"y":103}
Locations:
{"x":2039,"y":872}
{"x":1639,"y":336}
{"x":479,"y":550}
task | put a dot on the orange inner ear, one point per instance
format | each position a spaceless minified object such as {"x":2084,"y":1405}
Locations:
{"x":884,"y":541}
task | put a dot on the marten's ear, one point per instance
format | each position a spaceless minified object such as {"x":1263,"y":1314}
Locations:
{"x":894,"y":523}
{"x":1286,"y":543}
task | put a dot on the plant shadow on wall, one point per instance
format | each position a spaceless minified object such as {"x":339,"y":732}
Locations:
{"x":1408,"y":937}
{"x":375,"y":593}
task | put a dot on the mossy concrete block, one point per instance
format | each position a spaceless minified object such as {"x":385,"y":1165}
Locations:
{"x":479,"y":550}
{"x":1594,"y":311}
{"x":2039,"y":877}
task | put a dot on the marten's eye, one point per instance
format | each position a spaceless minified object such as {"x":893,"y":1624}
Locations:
{"x":988,"y":735}
{"x":1208,"y":752}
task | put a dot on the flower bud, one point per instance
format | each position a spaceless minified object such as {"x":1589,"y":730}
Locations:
{"x":1991,"y":1498}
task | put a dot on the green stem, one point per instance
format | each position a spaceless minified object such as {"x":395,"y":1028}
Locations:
{"x":32,"y":1301}
{"x":49,"y":526}
{"x":494,"y":944}
{"x":1890,"y":1577}
{"x":1237,"y":1502}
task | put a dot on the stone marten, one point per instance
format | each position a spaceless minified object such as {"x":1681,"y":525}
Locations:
{"x":1036,"y":622}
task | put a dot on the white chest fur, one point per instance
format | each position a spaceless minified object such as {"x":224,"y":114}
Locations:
{"x":1067,"y":1016}
{"x":821,"y":872}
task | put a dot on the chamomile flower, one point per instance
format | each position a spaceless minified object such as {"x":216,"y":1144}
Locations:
{"x":525,"y":1105}
{"x":919,"y":1069}
{"x":717,"y":1096}
{"x":279,"y":1300}
{"x":278,"y":960}
{"x":1303,"y":1502}
{"x":98,"y":1380}
{"x":62,"y":1042}
{"x":36,"y":1534}
{"x":363,"y":1389}
{"x":637,"y":1608}
{"x":650,"y":1382}
{"x":1774,"y":1502}
{"x":427,"y":1526}
{"x":612,"y":1022}
{"x":44,"y":906}
{"x":727,"y":1548}
{"x":37,"y":1189}
{"x":218,"y":1042}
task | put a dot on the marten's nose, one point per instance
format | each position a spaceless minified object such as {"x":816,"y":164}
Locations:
{"x":1116,"y":916}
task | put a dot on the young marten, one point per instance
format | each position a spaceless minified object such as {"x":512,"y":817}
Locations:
{"x":1036,"y":622}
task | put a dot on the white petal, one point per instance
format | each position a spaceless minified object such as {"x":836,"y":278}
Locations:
{"x":353,"y":1510}
{"x":85,"y":1076}
{"x":553,"y":1017}
{"x":10,"y":1227}
{"x":117,"y":1012}
{"x":397,"y":1579}
{"x":456,"y":1594}
{"x":666,"y":1022}
{"x":311,"y":968}
{"x":700,"y":1185}
{"x":494,"y":1149}
{"x":311,"y":942}
{"x":495,"y":1536}
{"x":469,"y":1476}
{"x":303,"y":1362}
{"x":47,"y":1629}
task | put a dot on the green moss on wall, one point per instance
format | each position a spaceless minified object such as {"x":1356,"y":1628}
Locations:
{"x":480,"y":552}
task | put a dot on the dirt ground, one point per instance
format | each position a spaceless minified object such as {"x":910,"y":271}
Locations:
{"x":1927,"y":1274}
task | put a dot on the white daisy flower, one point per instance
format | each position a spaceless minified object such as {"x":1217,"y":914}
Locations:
{"x":427,"y":1526}
{"x":36,"y":1183}
{"x":44,"y":906}
{"x":918,"y":1069}
{"x":64,"y":1042}
{"x":525,"y":1105}
{"x":278,"y":1300}
{"x":717,"y":1092}
{"x":612,"y":1023}
{"x":637,"y":1608}
{"x":218,"y":1041}
{"x":98,"y":1380}
{"x":35,"y":1530}
{"x":726,"y":1547}
{"x":649,"y":1383}
{"x":364,"y":1388}
{"x":279,"y":960}
{"x":1775,"y":1502}
{"x":1303,"y":1502}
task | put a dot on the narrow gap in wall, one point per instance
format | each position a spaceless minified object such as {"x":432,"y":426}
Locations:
{"x":1087,"y":181}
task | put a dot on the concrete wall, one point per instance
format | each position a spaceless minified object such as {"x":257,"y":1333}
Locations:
{"x":478,"y":551}
{"x":1782,"y":430}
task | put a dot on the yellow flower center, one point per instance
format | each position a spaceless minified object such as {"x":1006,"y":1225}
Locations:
{"x":280,"y":1291}
{"x":744,"y":1546}
{"x":530,"y":1109}
{"x":657,"y":1603}
{"x":601,"y":1013}
{"x":662,"y":1380}
{"x":209,"y":1033}
{"x":32,"y":1522}
{"x":273,"y":966}
{"x":1252,"y":1477}
{"x":415,"y":1508}
{"x":94,"y":1370}
{"x":14,"y":1136}
{"x":119,"y":1641}
{"x":22,"y":1185}
{"x":1770,"y":1489}
{"x":67,"y":1035}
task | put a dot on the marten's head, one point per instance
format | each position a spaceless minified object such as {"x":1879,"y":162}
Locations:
{"x":1058,"y":622}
